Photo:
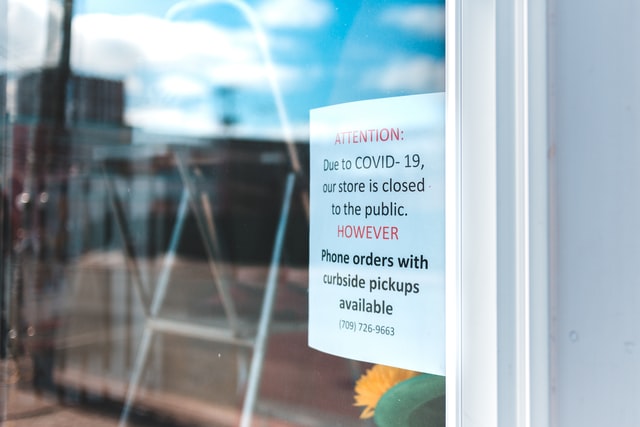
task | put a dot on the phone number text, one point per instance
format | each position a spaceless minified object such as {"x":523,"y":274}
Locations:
{"x":366,"y":328}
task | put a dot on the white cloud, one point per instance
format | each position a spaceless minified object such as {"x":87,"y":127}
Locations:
{"x":181,"y":86}
{"x":111,"y":44}
{"x":419,"y":74}
{"x":220,"y":56}
{"x":32,"y":40}
{"x":163,"y":63}
{"x":253,"y":75}
{"x":426,"y":20}
{"x":166,"y":62}
{"x":295,"y":13}
{"x":173,"y":120}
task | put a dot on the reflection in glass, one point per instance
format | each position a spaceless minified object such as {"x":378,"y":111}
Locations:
{"x":146,"y":151}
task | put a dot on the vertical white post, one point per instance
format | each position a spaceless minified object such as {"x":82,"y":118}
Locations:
{"x":478,"y":202}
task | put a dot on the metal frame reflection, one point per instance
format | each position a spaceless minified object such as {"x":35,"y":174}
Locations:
{"x":234,"y":332}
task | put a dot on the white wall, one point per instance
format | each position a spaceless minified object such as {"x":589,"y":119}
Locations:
{"x":594,"y":122}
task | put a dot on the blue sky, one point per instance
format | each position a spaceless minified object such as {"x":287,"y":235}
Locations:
{"x":324,"y":52}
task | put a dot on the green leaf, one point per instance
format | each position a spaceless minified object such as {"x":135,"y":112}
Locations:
{"x":416,"y":402}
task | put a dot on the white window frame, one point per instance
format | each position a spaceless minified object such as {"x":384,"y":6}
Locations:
{"x":497,"y":226}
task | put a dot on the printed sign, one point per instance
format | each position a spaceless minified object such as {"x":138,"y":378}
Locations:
{"x":377,"y":240}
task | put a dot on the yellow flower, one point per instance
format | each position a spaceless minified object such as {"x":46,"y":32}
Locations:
{"x":374,"y":383}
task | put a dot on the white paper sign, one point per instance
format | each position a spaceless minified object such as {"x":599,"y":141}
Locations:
{"x":376,"y":262}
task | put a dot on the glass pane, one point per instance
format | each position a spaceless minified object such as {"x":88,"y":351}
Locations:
{"x":155,"y":232}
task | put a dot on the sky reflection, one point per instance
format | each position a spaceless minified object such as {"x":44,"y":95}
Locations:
{"x":188,"y":73}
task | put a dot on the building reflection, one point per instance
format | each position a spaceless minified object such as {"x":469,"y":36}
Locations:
{"x":74,"y":318}
{"x":93,"y":208}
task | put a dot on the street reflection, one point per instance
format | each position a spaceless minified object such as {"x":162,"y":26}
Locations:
{"x":153,"y":152}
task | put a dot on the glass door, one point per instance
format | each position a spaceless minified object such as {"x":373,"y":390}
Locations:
{"x":161,"y":212}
